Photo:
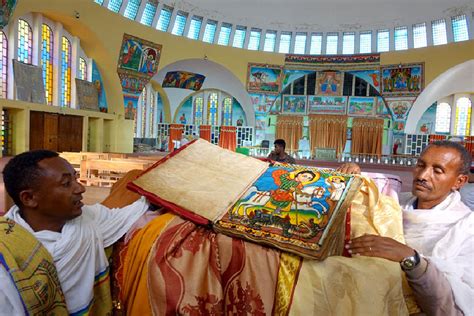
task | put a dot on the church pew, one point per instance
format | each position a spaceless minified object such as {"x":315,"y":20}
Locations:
{"x":102,"y":172}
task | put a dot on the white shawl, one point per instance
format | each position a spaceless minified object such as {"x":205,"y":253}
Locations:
{"x":445,"y":235}
{"x":78,"y":251}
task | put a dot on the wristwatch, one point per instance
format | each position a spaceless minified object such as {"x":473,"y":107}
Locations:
{"x":411,"y":262}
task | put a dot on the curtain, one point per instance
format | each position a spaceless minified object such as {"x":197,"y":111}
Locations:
{"x":205,"y":132}
{"x":176,"y":132}
{"x":228,"y":137}
{"x":367,"y":136}
{"x":290,"y":128}
{"x":469,"y":144}
{"x":328,"y":131}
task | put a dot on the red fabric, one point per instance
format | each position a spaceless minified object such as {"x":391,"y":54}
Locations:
{"x":469,"y":144}
{"x":176,"y":132}
{"x":205,"y":132}
{"x":228,"y":137}
{"x":434,"y":137}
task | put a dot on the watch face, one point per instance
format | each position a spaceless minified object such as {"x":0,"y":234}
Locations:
{"x":408,"y":263}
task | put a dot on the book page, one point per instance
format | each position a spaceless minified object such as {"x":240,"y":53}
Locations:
{"x":202,"y":178}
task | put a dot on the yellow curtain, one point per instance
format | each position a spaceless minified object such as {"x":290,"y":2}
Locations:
{"x":367,"y":136}
{"x":290,"y":128}
{"x":228,"y":137}
{"x":328,"y":131}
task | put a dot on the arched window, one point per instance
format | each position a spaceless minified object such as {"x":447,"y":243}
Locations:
{"x":212,"y":109}
{"x":443,"y":118}
{"x":47,"y":48}
{"x":462,"y":124}
{"x":197,"y":112}
{"x":3,"y":65}
{"x":151,"y":126}
{"x":65,"y":72}
{"x":82,"y":69}
{"x":143,"y":104}
{"x":227,"y":112}
{"x":25,"y":42}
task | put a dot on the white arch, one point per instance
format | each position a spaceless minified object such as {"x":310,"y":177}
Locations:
{"x":217,"y":77}
{"x":458,"y":79}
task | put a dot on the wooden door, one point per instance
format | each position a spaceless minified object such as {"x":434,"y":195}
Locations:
{"x":50,"y":131}
{"x":36,"y":130}
{"x":70,"y":133}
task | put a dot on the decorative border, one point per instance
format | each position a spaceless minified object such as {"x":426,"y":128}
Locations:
{"x":257,"y":65}
{"x":332,"y":59}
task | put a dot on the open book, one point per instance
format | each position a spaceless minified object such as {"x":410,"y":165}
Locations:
{"x":294,"y":208}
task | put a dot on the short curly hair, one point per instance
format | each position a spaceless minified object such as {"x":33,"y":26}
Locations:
{"x":23,"y":172}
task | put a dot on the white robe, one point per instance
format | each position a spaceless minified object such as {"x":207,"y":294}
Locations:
{"x":78,"y":250}
{"x":445,"y":235}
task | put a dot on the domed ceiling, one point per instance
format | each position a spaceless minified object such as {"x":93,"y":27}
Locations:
{"x":323,"y":15}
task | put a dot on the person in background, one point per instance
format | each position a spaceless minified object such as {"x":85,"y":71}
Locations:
{"x":279,"y":154}
{"x":467,"y":191}
{"x":438,"y":230}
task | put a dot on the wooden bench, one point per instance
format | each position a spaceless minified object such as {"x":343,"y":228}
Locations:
{"x":102,"y":172}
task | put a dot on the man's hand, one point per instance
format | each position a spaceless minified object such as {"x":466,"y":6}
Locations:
{"x":381,"y":247}
{"x":349,"y":168}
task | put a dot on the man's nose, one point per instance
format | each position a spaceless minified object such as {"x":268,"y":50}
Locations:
{"x":79,"y":188}
{"x":424,"y":174}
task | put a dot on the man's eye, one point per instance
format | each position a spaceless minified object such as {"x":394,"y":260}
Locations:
{"x":66,"y":184}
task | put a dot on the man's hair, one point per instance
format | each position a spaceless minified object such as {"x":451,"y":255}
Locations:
{"x":280,"y":142}
{"x":464,"y":155}
{"x":23,"y":172}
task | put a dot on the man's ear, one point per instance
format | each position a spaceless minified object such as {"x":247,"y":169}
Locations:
{"x":461,"y":180}
{"x":28,"y":198}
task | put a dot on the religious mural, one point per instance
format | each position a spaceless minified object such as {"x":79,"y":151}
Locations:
{"x":137,"y":64}
{"x":183,"y":80}
{"x":329,"y":82}
{"x":402,"y":80}
{"x":99,"y":85}
{"x":371,"y":76}
{"x":263,"y":78}
{"x":293,"y":104}
{"x":326,"y":104}
{"x":400,"y":107}
{"x":6,"y":11}
{"x":362,"y":106}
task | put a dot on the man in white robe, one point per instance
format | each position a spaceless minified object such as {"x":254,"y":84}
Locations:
{"x":48,"y":204}
{"x":439,"y":233}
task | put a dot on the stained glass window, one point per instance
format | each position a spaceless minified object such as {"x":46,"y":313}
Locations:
{"x":316,"y":44}
{"x":300,"y":43}
{"x":459,"y":24}
{"x":401,"y":38}
{"x":65,"y":72}
{"x":285,"y":40}
{"x":209,"y":32}
{"x":443,"y":118}
{"x":439,"y":32}
{"x":3,"y":65}
{"x":198,"y":108}
{"x":365,"y":42}
{"x":132,"y":9}
{"x":47,"y":49}
{"x":254,"y":39}
{"x":383,"y":41}
{"x":152,"y":124}
{"x":462,"y":124}
{"x":82,"y":69}
{"x":270,"y":40}
{"x":224,"y":34}
{"x":212,"y":109}
{"x":143,"y":109}
{"x":195,"y":27}
{"x":149,"y":12}
{"x":179,"y":23}
{"x":25,"y":42}
{"x":348,"y":40}
{"x":164,"y":19}
{"x":114,"y":5}
{"x":331,"y":43}
{"x":239,"y":36}
{"x":419,"y":35}
{"x":227,"y":112}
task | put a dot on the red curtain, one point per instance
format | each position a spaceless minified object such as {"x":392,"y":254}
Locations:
{"x":469,"y":144}
{"x":205,"y":132}
{"x":176,"y":132}
{"x":228,"y":137}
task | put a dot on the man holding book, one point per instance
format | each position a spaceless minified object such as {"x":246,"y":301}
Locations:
{"x":438,"y":229}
